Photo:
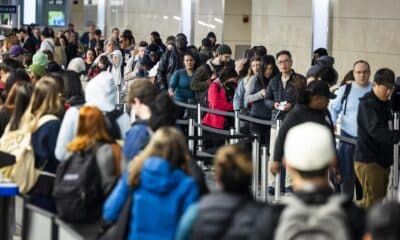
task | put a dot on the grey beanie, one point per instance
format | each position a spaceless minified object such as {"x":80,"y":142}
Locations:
{"x":223,"y":49}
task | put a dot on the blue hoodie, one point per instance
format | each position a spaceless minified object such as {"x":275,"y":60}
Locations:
{"x":163,"y":195}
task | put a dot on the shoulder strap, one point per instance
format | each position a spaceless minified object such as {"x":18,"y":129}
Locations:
{"x":211,"y":67}
{"x":46,"y":118}
{"x":345,"y":96}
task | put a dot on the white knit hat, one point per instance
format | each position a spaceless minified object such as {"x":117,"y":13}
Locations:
{"x":309,"y":147}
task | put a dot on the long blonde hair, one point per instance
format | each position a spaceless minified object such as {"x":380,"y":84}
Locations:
{"x":44,"y":100}
{"x":167,"y":143}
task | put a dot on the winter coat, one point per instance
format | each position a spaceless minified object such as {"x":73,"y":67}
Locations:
{"x":276,"y":92}
{"x":217,"y":100}
{"x":375,"y":140}
{"x":160,"y":199}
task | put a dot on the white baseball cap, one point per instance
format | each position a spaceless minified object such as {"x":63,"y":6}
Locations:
{"x":309,"y":147}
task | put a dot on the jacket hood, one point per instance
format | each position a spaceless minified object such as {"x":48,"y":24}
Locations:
{"x":158,"y":176}
{"x":116,"y":59}
{"x":77,"y":65}
{"x":101,"y":92}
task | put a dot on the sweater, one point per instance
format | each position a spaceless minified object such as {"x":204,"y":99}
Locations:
{"x":43,"y":143}
{"x":349,"y":120}
{"x":180,"y":84}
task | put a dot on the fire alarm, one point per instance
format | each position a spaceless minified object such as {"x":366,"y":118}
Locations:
{"x":245,"y":18}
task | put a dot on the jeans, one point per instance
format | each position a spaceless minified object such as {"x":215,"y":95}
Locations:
{"x":346,"y":164}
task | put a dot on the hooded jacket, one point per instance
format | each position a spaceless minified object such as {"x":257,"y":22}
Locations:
{"x":116,"y":59}
{"x":100,"y":92}
{"x":163,"y":195}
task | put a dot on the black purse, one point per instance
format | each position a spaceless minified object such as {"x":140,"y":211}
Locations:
{"x":118,"y":230}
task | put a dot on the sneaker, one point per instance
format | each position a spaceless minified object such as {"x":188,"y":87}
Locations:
{"x":289,"y":190}
{"x":271,"y":190}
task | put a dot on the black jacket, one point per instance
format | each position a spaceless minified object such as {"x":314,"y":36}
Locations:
{"x":299,"y":114}
{"x":225,"y":216}
{"x":267,"y":222}
{"x":375,"y":140}
{"x":170,"y":62}
{"x":30,"y":45}
{"x":276,"y":92}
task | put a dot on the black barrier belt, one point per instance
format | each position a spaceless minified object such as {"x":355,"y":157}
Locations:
{"x":213,"y":130}
{"x":218,"y":112}
{"x":347,"y":139}
{"x":182,"y":122}
{"x":185,"y":105}
{"x":256,"y":120}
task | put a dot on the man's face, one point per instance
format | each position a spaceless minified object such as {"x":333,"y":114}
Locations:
{"x":382,"y":92}
{"x":153,"y":56}
{"x":224,"y":58}
{"x":123,"y":43}
{"x":20,"y":36}
{"x":115,"y":34}
{"x":284,"y":63}
{"x":91,"y":36}
{"x":180,"y":43}
{"x":36,"y":33}
{"x":142,"y":51}
{"x":361,"y":73}
{"x":91,"y":28}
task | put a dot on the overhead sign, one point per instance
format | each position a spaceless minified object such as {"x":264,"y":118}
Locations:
{"x":8,"y":9}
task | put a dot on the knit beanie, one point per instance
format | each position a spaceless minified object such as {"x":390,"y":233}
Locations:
{"x":223,"y":49}
{"x":40,"y":58}
{"x":38,"y":70}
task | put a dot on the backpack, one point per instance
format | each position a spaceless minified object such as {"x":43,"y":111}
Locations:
{"x":300,"y":221}
{"x":18,"y":143}
{"x":112,"y":124}
{"x":345,"y":96}
{"x":77,"y":192}
{"x":203,"y":96}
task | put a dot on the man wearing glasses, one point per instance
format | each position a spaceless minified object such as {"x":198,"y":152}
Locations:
{"x":285,"y":87}
{"x":282,"y":93}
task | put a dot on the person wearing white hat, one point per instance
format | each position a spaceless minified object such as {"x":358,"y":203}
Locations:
{"x":309,"y":154}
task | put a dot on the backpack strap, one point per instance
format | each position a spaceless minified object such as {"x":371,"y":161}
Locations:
{"x":345,"y":96}
{"x":211,"y":67}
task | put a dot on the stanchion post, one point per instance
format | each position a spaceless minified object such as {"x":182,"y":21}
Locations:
{"x":191,"y":134}
{"x":278,"y":175}
{"x":264,"y":172}
{"x":199,"y":129}
{"x":232,"y":140}
{"x":237,"y":122}
{"x":255,"y":148}
{"x":395,"y":183}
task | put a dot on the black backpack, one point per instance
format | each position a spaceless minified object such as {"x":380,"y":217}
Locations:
{"x":77,"y":192}
{"x":112,"y":124}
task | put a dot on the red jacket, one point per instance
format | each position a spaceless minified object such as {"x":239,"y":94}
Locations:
{"x":217,"y":100}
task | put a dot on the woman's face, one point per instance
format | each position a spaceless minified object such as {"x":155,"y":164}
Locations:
{"x":268,"y":71}
{"x":189,"y":62}
{"x":110,"y":47}
{"x":90,"y":55}
{"x":255,"y":66}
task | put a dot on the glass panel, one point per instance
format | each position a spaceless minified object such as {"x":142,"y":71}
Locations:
{"x":208,"y":16}
{"x":143,"y":17}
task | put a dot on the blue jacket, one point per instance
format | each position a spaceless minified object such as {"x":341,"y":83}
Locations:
{"x":159,"y":201}
{"x":136,"y":138}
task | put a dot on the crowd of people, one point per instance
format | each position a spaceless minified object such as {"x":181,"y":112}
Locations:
{"x":78,"y":152}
